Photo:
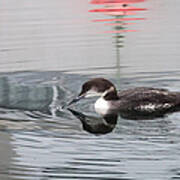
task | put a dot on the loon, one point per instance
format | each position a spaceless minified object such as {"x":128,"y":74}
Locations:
{"x":143,"y":101}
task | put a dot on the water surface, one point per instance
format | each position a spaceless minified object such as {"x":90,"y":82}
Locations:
{"x":48,"y":49}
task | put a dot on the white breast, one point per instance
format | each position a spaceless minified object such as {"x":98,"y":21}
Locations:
{"x":101,"y":106}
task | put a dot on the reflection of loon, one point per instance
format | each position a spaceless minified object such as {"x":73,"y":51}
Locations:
{"x":96,"y":125}
{"x":136,"y":103}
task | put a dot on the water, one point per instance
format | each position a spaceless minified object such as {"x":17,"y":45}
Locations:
{"x":47,"y":50}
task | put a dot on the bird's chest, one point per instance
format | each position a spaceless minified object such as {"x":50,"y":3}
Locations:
{"x":102,"y":106}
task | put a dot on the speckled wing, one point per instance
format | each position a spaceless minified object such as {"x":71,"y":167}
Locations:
{"x":148,"y":100}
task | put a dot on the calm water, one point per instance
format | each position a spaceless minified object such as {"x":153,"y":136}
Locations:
{"x":47,"y":50}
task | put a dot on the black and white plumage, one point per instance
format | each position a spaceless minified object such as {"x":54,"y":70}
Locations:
{"x":140,"y":101}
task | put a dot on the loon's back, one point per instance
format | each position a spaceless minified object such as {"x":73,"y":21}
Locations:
{"x":147,"y":101}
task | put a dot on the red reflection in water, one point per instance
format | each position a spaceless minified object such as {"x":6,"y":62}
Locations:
{"x":120,"y":31}
{"x":118,"y":19}
{"x":118,"y":24}
{"x":119,"y":12}
{"x":115,"y":1}
{"x":117,"y":8}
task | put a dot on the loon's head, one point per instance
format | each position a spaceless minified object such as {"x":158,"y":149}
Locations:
{"x":97,"y":87}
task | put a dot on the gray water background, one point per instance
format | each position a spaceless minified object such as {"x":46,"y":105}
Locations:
{"x":47,"y":50}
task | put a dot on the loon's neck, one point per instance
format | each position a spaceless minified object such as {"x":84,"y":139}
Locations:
{"x":111,"y":95}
